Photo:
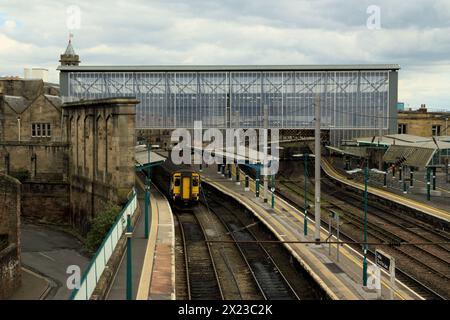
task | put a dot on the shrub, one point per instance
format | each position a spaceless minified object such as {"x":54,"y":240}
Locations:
{"x":100,"y":226}
{"x":21,"y":175}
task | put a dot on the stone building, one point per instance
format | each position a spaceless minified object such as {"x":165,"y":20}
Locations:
{"x":423,"y":123}
{"x":30,"y":130}
{"x":70,"y":159}
{"x":58,"y":162}
{"x":10,"y":275}
{"x":101,"y":136}
{"x":32,"y":148}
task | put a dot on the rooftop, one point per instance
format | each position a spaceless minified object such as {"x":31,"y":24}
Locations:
{"x":69,"y":50}
{"x":407,"y":140}
{"x":174,"y":68}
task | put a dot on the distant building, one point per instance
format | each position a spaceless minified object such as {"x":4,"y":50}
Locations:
{"x":35,"y":74}
{"x":30,"y":129}
{"x":422,"y":123}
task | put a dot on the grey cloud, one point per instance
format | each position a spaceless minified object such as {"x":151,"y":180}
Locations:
{"x":415,"y":33}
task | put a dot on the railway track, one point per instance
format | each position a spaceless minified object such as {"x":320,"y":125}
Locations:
{"x":201,"y":275}
{"x":420,"y":267}
{"x":271,"y":282}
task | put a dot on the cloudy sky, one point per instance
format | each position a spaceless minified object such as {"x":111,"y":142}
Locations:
{"x":414,"y":34}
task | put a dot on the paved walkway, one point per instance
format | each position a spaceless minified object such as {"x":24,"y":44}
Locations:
{"x":158,"y":279}
{"x":340,"y":279}
{"x":118,"y":287}
{"x":34,"y":286}
{"x":46,"y":254}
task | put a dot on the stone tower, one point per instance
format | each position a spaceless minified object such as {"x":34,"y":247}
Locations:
{"x":69,"y":57}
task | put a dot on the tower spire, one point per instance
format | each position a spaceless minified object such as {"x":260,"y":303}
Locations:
{"x":69,"y":57}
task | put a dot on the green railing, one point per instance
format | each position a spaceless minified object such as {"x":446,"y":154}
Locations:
{"x":98,"y":263}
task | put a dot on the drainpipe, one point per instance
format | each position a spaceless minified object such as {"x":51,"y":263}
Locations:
{"x":18,"y":127}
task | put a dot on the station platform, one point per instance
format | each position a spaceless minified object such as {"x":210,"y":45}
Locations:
{"x":340,"y":278}
{"x":438,"y":213}
{"x":153,"y":259}
{"x":157,"y":280}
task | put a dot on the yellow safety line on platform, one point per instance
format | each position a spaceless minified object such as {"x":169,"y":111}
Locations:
{"x":332,"y":172}
{"x":146,"y":274}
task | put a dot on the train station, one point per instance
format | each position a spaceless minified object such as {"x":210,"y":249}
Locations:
{"x":227,"y":182}
{"x":202,"y":247}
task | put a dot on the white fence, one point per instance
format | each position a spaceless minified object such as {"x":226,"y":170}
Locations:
{"x":101,"y":258}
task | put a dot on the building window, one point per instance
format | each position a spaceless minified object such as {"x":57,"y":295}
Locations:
{"x":41,"y":130}
{"x":401,"y":128}
{"x":436,"y":130}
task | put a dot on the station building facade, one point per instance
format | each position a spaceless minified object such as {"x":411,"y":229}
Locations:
{"x":355,"y":100}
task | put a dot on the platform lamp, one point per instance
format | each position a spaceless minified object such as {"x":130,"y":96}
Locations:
{"x":384,"y":173}
{"x":366,"y":181}
{"x":148,"y":183}
{"x":272,"y":189}
{"x":129,"y":284}
{"x":305,"y":157}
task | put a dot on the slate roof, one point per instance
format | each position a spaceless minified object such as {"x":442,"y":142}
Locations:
{"x":18,"y":104}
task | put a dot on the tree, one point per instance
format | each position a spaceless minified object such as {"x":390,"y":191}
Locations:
{"x":101,"y":225}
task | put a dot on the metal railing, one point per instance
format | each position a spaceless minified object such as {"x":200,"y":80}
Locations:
{"x":97,"y":265}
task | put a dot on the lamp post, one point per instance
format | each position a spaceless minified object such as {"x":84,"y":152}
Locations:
{"x":148,"y":183}
{"x":257,"y":181}
{"x":366,"y":181}
{"x":272,"y":189}
{"x":129,"y":234}
{"x":384,"y":173}
{"x":305,"y":161}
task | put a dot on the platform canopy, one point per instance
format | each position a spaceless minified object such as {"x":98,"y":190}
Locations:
{"x":141,"y":157}
{"x":406,"y":140}
{"x":242,"y":155}
{"x":358,"y":152}
{"x":408,"y":149}
{"x":410,"y":156}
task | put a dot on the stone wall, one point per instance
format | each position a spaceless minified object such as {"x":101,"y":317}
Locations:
{"x":10,"y":274}
{"x":420,"y":123}
{"x":35,"y":160}
{"x":53,"y":196}
{"x":101,"y":135}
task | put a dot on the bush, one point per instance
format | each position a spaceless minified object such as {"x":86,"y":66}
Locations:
{"x":100,"y":226}
{"x":22,"y":175}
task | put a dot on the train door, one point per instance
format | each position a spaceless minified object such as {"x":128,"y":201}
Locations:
{"x":186,"y":189}
{"x":176,"y":185}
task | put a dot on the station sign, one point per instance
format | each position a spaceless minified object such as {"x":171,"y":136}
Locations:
{"x":383,"y":260}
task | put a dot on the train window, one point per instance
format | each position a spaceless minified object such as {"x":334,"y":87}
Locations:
{"x":177,"y":182}
{"x":195,"y":182}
